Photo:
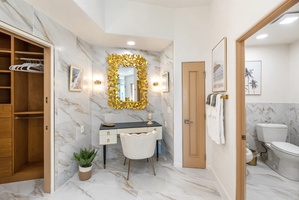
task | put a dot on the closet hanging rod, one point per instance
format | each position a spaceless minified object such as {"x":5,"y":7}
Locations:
{"x":31,"y":59}
{"x":37,"y":117}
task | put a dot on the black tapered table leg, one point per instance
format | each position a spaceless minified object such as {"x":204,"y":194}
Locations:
{"x":157,"y":146}
{"x":104,"y":155}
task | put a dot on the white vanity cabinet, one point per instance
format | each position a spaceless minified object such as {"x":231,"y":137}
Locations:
{"x":108,"y":135}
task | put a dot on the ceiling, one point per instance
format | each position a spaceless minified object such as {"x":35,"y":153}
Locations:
{"x":96,"y":35}
{"x":277,"y":33}
{"x":175,"y":3}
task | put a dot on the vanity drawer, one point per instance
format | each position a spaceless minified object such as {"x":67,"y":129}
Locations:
{"x":108,"y":139}
{"x":158,"y":129}
{"x":108,"y":132}
{"x":132,"y":130}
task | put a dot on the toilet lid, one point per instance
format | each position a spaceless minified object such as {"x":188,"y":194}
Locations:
{"x":286,"y":147}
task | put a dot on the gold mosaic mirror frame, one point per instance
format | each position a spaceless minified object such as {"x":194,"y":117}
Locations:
{"x":115,"y":61}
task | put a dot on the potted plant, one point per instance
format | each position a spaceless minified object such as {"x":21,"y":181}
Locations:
{"x":85,"y":158}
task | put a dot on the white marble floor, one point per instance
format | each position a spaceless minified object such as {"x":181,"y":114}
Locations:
{"x":170,"y":183}
{"x":265,"y":184}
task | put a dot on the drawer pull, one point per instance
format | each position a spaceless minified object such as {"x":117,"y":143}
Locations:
{"x":155,"y":129}
{"x":108,"y":140}
{"x":108,"y":133}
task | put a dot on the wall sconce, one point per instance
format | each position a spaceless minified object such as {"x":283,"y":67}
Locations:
{"x":97,"y":82}
{"x":155,"y":84}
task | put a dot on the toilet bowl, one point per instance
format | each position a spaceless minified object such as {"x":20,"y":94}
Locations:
{"x":249,"y":155}
{"x":288,"y":155}
{"x":283,"y":157}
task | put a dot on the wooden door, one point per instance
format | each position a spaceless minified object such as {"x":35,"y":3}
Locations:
{"x":194,"y":145}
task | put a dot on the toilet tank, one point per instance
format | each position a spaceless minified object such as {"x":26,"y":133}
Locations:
{"x":271,"y":132}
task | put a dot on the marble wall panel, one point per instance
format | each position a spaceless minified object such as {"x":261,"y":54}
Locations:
{"x":167,"y":101}
{"x":294,"y":124}
{"x":101,"y":112}
{"x":72,"y":109}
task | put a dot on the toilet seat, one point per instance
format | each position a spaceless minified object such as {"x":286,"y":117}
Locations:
{"x":286,"y":147}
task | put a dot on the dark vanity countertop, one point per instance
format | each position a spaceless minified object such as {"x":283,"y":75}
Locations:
{"x":130,"y":125}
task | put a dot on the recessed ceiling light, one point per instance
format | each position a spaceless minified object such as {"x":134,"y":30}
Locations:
{"x":262,"y":36}
{"x":131,"y":43}
{"x":288,"y":20}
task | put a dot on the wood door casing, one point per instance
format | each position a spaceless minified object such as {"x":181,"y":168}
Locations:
{"x":194,"y":145}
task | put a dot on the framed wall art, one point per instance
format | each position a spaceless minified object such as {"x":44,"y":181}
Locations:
{"x":76,"y":79}
{"x":253,"y":77}
{"x":165,"y":82}
{"x":219,"y":66}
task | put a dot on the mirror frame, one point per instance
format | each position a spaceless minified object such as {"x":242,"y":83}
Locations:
{"x":115,"y":61}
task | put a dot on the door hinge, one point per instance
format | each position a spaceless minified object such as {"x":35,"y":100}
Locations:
{"x":204,"y":74}
{"x":205,"y":156}
{"x":243,"y":137}
{"x":46,"y":99}
{"x":46,"y":128}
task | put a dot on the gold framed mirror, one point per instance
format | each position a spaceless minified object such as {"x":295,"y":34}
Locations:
{"x":138,"y":95}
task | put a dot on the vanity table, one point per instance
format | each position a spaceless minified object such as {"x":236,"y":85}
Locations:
{"x":108,"y":135}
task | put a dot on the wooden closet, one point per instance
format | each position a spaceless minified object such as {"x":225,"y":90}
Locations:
{"x":21,"y":110}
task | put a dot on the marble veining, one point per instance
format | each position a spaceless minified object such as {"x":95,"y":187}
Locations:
{"x":110,"y":183}
{"x":89,"y":107}
{"x":263,"y":183}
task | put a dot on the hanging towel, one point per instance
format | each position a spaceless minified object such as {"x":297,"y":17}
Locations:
{"x":213,"y":103}
{"x":215,"y":120}
{"x":209,"y":99}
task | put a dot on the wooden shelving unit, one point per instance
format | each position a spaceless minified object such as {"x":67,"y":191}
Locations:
{"x":21,"y":111}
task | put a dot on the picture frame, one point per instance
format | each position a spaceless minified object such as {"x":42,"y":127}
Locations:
{"x":76,"y":79}
{"x":253,"y":77}
{"x":165,"y":82}
{"x":219,"y":66}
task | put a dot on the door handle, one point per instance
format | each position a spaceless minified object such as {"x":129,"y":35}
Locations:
{"x":187,"y":121}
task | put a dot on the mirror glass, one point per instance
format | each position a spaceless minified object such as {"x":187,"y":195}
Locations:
{"x":127,"y":81}
{"x":128,"y":84}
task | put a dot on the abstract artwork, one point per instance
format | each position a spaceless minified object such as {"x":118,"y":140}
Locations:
{"x":219,"y":66}
{"x":76,"y":79}
{"x":253,"y":78}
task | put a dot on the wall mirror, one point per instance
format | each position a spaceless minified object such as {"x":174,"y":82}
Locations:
{"x":127,"y":81}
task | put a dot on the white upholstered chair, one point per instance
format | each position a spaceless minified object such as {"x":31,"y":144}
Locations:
{"x":138,"y":146}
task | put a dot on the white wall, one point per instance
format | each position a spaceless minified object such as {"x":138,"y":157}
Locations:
{"x":294,"y":72}
{"x":232,"y":19}
{"x":190,"y":44}
{"x":275,"y":73}
{"x":132,"y":18}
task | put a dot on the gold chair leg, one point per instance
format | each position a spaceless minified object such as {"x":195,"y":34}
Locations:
{"x":151,"y":161}
{"x":129,"y":169}
{"x":125,"y":160}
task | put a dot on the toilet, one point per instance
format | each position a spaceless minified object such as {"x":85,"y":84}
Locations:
{"x":283,"y":157}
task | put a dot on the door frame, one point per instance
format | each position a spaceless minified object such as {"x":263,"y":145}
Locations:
{"x":240,"y":96}
{"x":49,"y":108}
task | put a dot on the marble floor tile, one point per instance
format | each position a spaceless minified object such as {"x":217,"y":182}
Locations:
{"x":170,"y":183}
{"x":264,"y":183}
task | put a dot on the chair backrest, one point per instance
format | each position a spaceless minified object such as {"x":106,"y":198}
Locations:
{"x":138,"y":146}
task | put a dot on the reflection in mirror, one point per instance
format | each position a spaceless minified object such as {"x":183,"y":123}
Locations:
{"x":127,"y":90}
{"x":128,"y":84}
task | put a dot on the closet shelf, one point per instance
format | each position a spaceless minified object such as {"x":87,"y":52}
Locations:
{"x":4,"y":51}
{"x":29,"y":53}
{"x":5,"y":71}
{"x":29,"y":113}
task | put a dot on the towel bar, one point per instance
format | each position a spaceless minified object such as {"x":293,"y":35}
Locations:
{"x":224,"y":96}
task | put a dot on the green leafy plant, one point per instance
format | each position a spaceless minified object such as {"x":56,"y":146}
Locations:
{"x":85,"y":157}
